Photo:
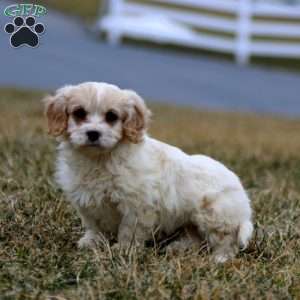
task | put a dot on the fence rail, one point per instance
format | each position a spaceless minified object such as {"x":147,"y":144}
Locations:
{"x":241,"y":27}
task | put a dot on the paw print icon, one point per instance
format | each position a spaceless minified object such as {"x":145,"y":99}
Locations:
{"x":24,"y":32}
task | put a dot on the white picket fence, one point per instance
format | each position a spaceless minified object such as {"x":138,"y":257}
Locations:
{"x":244,"y":28}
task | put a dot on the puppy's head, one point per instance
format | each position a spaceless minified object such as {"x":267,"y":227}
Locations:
{"x":97,"y":116}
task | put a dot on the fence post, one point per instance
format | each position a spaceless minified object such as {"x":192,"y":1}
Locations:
{"x":114,"y":34}
{"x":243,"y":37}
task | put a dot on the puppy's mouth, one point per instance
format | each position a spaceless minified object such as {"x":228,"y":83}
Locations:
{"x":92,"y":145}
{"x":96,"y":146}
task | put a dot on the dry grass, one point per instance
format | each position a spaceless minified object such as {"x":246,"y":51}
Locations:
{"x":39,"y":230}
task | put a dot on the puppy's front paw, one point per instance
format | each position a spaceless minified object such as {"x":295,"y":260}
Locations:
{"x":85,"y":242}
{"x":88,"y":241}
{"x":221,"y":258}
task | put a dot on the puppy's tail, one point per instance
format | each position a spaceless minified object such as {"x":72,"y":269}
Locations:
{"x":245,"y":233}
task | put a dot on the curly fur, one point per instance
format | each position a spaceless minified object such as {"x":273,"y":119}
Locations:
{"x":130,"y":185}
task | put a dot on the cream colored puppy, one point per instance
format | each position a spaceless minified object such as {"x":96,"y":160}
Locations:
{"x":126,"y":184}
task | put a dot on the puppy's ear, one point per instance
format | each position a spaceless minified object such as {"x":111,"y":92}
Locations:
{"x":56,"y":113}
{"x":137,"y":118}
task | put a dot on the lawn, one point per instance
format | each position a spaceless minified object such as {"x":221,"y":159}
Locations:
{"x":39,"y":230}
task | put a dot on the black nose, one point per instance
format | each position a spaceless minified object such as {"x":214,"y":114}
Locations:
{"x":93,"y":135}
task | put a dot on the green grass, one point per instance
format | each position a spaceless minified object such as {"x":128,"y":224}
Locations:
{"x":39,"y":229}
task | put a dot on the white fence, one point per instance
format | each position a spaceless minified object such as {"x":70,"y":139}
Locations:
{"x":244,"y":28}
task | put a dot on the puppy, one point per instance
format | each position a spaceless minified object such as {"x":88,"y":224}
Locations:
{"x":128,"y":185}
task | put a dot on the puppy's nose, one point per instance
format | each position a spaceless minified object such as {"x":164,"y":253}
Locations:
{"x":93,"y":135}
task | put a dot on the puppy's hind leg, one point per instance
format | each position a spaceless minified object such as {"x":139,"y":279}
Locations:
{"x":223,"y":244}
{"x":225,"y":219}
{"x":89,"y":240}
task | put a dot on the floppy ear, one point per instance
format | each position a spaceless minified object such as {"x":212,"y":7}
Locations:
{"x":57,"y":115}
{"x":137,"y":118}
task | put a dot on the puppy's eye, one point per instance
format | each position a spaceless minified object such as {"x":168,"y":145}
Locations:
{"x":111,"y":117}
{"x":79,"y":113}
